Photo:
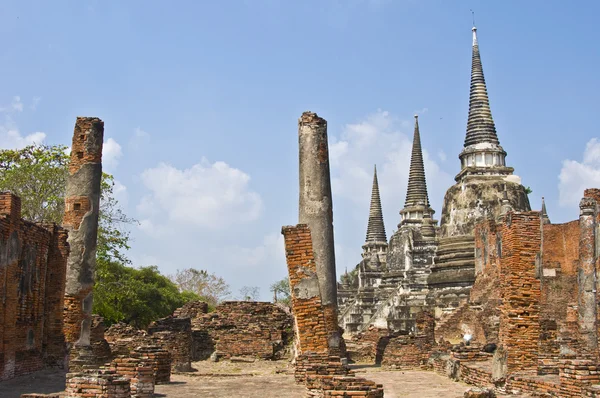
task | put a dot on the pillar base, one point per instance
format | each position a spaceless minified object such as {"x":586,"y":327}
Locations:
{"x":81,"y":357}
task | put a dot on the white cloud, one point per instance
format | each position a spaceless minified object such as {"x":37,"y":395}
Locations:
{"x":111,"y":152}
{"x":206,"y":195}
{"x":138,"y":138}
{"x":378,"y":140}
{"x":15,"y":106}
{"x":575,"y":176}
{"x":120,"y":193}
{"x":156,"y":231}
{"x":270,"y":251}
{"x":11,"y":138}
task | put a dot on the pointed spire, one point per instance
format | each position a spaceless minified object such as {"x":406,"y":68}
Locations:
{"x":375,"y":228}
{"x":416,"y":193}
{"x":480,"y":126}
{"x":545,"y":218}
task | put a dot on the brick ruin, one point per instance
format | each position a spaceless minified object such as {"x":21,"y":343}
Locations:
{"x":538,"y":280}
{"x":82,"y":204}
{"x":33,"y":261}
{"x":317,"y":365}
{"x":242,"y":329}
{"x":532,"y":311}
{"x":524,"y":290}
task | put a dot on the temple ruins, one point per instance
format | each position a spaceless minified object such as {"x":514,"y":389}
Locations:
{"x":496,"y":296}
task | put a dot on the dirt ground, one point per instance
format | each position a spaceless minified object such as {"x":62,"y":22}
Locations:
{"x":269,"y":380}
{"x":260,"y":379}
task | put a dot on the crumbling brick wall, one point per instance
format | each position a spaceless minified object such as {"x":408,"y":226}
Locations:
{"x":175,"y":335}
{"x":192,"y":309}
{"x":123,"y":338}
{"x":520,"y":293}
{"x":32,"y":283}
{"x":316,"y":367}
{"x":410,"y":351}
{"x":241,"y":328}
{"x":558,"y":275}
{"x":367,"y":347}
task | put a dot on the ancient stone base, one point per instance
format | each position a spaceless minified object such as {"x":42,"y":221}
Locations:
{"x":97,"y":384}
{"x":139,"y":373}
{"x":576,"y":375}
{"x":82,"y":357}
{"x":160,"y":360}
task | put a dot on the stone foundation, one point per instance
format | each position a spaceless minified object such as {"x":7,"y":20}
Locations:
{"x":159,"y":359}
{"x":139,"y":373}
{"x":97,"y":384}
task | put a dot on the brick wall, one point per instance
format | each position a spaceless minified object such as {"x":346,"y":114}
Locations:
{"x":174,"y":335}
{"x":32,"y":269}
{"x":367,"y":347}
{"x":558,"y":275}
{"x":407,"y":352}
{"x":520,"y":290}
{"x":410,"y":351}
{"x":97,"y":384}
{"x":140,"y":374}
{"x":240,"y":328}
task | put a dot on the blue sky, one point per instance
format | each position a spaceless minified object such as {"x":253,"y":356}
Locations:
{"x":201,"y":99}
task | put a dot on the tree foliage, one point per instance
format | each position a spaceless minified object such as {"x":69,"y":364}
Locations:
{"x":38,"y":174}
{"x":281,"y":291}
{"x":209,"y":287}
{"x":135,"y":296}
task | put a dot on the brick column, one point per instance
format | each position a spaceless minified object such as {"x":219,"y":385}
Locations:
{"x":54,"y":338}
{"x":304,"y":285}
{"x":82,"y":203}
{"x":586,"y":277}
{"x":316,"y":211}
{"x":520,"y":294}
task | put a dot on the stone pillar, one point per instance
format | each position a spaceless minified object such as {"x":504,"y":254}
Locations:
{"x":316,"y":211}
{"x":82,"y":203}
{"x":586,"y":277}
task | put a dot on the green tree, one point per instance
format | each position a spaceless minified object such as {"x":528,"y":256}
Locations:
{"x":113,"y":235}
{"x":209,"y":287}
{"x":281,"y":291}
{"x":136,"y":296}
{"x":38,"y":174}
